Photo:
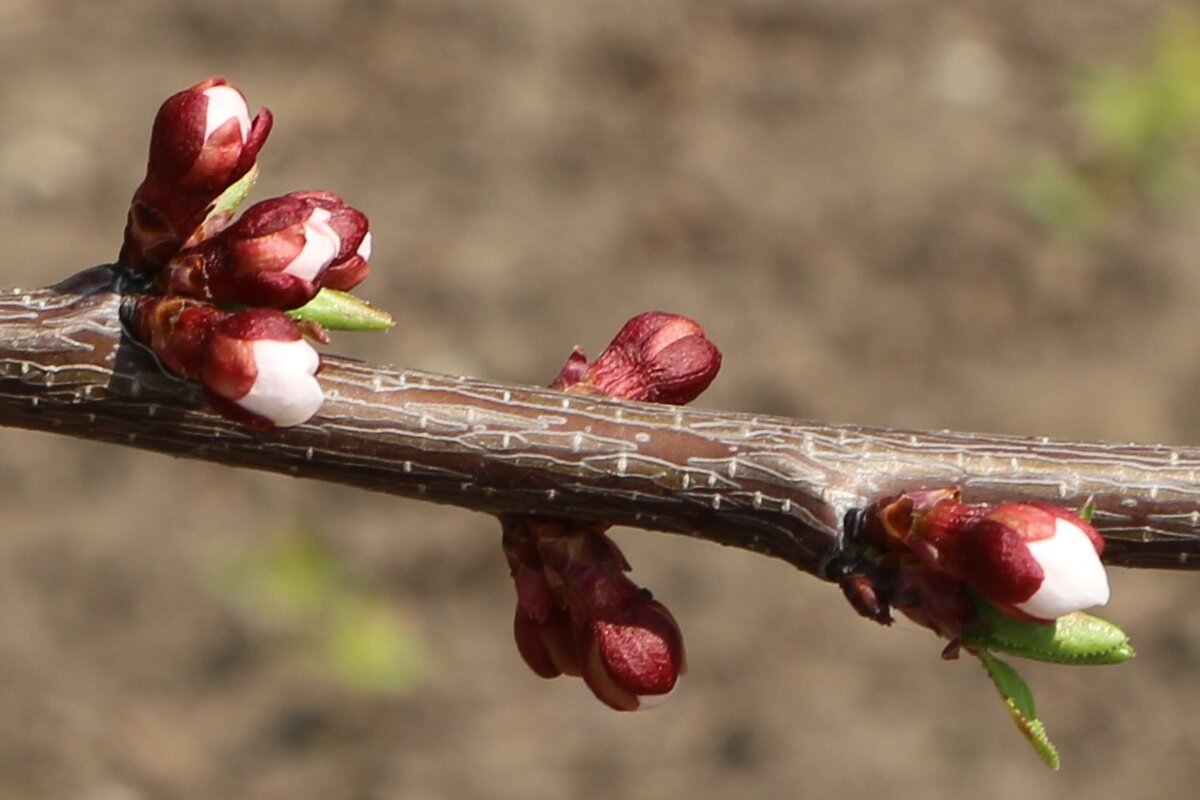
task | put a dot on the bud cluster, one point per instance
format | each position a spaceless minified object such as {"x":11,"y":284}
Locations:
{"x":578,"y":613}
{"x":220,"y":286}
{"x":939,"y":557}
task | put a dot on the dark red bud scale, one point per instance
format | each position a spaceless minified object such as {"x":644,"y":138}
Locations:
{"x":634,"y":654}
{"x":656,"y":357}
{"x":531,"y":638}
{"x":177,"y":330}
{"x":572,"y":371}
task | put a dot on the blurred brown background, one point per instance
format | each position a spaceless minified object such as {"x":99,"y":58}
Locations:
{"x":976,"y":215}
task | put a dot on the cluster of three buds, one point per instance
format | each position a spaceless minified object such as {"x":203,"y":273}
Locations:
{"x":253,"y":363}
{"x":578,"y":613}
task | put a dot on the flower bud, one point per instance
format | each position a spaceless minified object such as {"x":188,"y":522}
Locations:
{"x":578,"y":614}
{"x":259,"y":370}
{"x":656,"y":357}
{"x":275,"y":256}
{"x":199,"y":136}
{"x":1029,"y":560}
{"x":278,"y":251}
{"x":632,"y":653}
{"x":203,"y":141}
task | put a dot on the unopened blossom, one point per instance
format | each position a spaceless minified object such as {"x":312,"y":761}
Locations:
{"x":203,"y":141}
{"x":259,"y":369}
{"x":656,"y":357}
{"x":254,"y":365}
{"x":1029,"y":560}
{"x":579,"y":614}
{"x":630,"y":646}
{"x":278,"y":254}
{"x":200,"y":136}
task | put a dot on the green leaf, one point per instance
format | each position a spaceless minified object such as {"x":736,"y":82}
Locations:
{"x":342,"y":311}
{"x":233,"y":197}
{"x":1088,"y":510}
{"x":222,"y":211}
{"x":1078,"y":638}
{"x":1019,"y":701}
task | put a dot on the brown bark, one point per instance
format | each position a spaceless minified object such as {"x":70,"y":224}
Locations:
{"x":772,"y":485}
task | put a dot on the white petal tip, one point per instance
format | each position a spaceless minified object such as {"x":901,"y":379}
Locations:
{"x":321,"y":245}
{"x":225,"y":103}
{"x":1074,"y":577}
{"x":285,"y":391}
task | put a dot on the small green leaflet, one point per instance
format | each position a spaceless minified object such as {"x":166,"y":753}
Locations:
{"x":223,"y":208}
{"x":1019,"y":701}
{"x":1089,"y":509}
{"x":233,"y":197}
{"x":342,"y":311}
{"x":1076,"y":638}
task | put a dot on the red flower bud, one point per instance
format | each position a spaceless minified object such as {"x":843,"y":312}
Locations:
{"x":254,"y":365}
{"x":277,"y":255}
{"x":203,"y":141}
{"x":200,"y":138}
{"x":632,"y":653}
{"x":1030,"y":560}
{"x":259,"y":370}
{"x":934,"y":558}
{"x":578,"y":614}
{"x":657,"y":357}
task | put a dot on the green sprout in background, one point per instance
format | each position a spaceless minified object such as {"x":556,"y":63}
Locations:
{"x":1140,"y":124}
{"x":296,"y":584}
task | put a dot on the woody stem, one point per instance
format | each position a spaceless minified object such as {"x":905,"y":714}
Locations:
{"x":776,"y":486}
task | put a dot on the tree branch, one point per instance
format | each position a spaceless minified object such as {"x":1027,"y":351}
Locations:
{"x":776,"y":486}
